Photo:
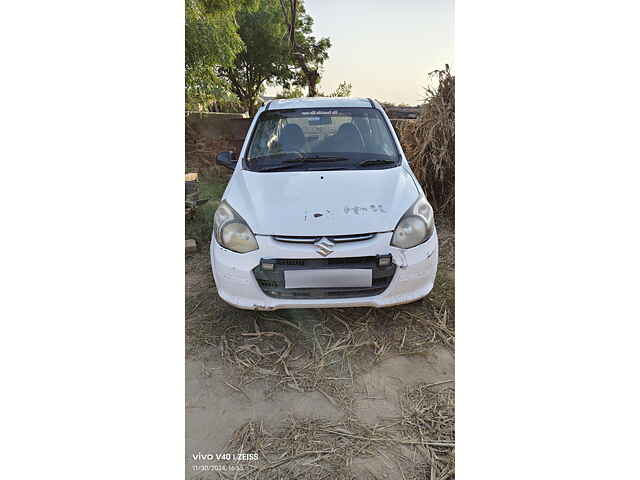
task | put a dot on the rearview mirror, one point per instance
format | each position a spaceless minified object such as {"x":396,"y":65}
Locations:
{"x":227,"y":159}
{"x":320,"y":121}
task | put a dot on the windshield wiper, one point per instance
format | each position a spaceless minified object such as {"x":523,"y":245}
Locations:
{"x":286,"y":166}
{"x":301,"y":161}
{"x":316,"y":158}
{"x":282,"y":166}
{"x":377,"y":161}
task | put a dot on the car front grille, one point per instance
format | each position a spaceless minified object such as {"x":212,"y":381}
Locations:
{"x":332,"y":238}
{"x":272,"y":281}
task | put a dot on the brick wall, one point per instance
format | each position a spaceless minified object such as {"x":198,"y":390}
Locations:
{"x":207,"y":134}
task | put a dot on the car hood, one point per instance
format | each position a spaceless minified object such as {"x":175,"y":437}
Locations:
{"x":338,"y":202}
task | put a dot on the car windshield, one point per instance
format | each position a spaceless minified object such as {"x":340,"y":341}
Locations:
{"x":321,"y":139}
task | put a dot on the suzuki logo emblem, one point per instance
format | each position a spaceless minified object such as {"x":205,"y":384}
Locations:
{"x":323,"y":247}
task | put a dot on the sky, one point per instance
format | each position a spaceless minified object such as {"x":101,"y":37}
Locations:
{"x":384,"y":48}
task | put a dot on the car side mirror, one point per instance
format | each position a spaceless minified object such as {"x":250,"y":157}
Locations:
{"x":227,"y":159}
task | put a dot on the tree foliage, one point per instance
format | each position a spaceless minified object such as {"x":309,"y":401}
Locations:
{"x":264,"y":57}
{"x":343,"y":90}
{"x":294,"y":92}
{"x":234,"y":47}
{"x":211,"y":40}
{"x":308,"y":53}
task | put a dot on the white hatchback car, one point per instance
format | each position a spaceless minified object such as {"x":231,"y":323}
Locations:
{"x":322,"y":210}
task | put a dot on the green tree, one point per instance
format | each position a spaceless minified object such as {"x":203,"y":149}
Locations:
{"x":307,"y":53}
{"x":295,"y":92}
{"x":211,"y":40}
{"x":264,"y":57}
{"x":343,"y":90}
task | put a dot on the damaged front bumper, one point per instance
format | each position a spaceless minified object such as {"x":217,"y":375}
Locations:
{"x":241,"y":281}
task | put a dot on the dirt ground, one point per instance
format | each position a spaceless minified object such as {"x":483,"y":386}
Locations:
{"x":354,"y":393}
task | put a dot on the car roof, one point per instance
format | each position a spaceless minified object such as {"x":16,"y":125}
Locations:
{"x":318,"y":102}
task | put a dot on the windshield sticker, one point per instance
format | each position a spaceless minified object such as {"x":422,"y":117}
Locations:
{"x":320,"y":112}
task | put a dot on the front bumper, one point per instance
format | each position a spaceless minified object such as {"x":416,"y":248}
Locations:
{"x":413,"y":278}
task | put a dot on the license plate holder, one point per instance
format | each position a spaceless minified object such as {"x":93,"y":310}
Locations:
{"x":328,"y":278}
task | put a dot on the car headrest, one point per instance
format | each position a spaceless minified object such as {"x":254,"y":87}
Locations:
{"x":348,"y":130}
{"x":291,"y":137}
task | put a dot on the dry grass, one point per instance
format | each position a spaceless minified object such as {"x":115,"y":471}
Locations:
{"x":428,"y":417}
{"x":417,"y":445}
{"x":320,"y":449}
{"x":429,"y":142}
{"x":306,"y":448}
{"x":324,"y":350}
{"x":308,"y":350}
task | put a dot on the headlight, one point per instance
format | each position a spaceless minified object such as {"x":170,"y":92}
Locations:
{"x":231,"y":231}
{"x":415,"y":226}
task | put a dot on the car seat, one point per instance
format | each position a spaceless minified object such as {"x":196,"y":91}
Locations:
{"x":348,"y":139}
{"x":291,"y":138}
